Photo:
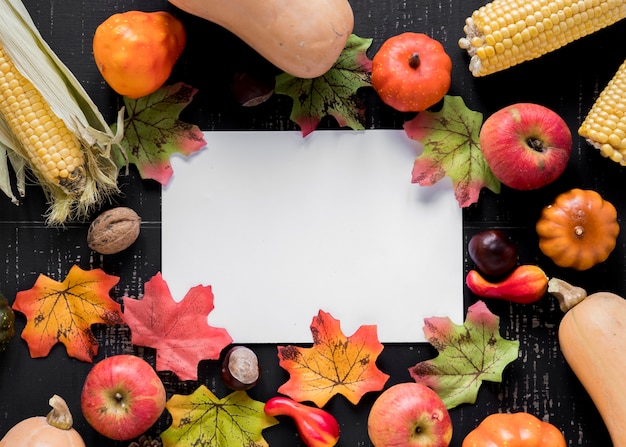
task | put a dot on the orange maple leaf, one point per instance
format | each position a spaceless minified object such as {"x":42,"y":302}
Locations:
{"x":335,"y":364}
{"x":179,"y":331}
{"x":64,"y":312}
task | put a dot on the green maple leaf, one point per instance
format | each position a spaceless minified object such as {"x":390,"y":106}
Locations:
{"x":333,"y":93}
{"x":153,"y":132}
{"x":452,"y":148}
{"x":468,"y":355}
{"x":202,"y":420}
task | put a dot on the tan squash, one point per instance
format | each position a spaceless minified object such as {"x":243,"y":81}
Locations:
{"x":578,"y":230}
{"x":53,"y":430}
{"x":301,"y":37}
{"x":591,"y":338}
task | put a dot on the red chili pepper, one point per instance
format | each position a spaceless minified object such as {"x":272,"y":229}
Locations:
{"x":526,"y":284}
{"x":317,"y":428}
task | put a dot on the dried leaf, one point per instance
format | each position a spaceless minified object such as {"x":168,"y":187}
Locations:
{"x":201,"y":419}
{"x":335,"y":363}
{"x":64,"y":312}
{"x":452,"y":148}
{"x":179,"y":331}
{"x":468,"y":355}
{"x":333,"y":93}
{"x":153,"y":132}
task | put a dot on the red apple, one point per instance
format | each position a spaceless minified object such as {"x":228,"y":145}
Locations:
{"x":526,"y":145}
{"x":409,"y":415}
{"x":122,"y":397}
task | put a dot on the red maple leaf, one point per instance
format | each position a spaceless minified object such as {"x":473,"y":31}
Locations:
{"x":179,"y":331}
{"x":335,"y":363}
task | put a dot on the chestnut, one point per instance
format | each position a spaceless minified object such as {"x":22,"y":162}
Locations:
{"x":250,"y":89}
{"x":240,"y":368}
{"x":493,"y":252}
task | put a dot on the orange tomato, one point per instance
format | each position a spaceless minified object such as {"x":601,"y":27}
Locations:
{"x":135,"y":51}
{"x":411,"y":72}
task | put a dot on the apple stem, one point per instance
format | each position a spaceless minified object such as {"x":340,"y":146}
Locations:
{"x":536,"y":144}
{"x":60,"y":416}
{"x":118,"y":397}
{"x":414,"y":60}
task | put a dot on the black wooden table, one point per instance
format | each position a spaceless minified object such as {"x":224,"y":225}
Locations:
{"x":540,"y":382}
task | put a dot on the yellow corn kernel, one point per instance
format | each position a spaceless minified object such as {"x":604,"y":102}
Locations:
{"x":533,"y":27}
{"x":52,"y":149}
{"x":604,"y":127}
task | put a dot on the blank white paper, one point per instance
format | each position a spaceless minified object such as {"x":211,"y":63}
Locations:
{"x":282,"y":226}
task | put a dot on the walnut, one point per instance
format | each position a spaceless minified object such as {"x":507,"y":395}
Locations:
{"x":114,"y":230}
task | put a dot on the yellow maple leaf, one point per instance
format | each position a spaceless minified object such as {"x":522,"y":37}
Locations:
{"x":202,"y":419}
{"x":64,"y":312}
{"x":336,"y":364}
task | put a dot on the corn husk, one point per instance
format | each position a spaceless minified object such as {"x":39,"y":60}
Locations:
{"x":35,"y":59}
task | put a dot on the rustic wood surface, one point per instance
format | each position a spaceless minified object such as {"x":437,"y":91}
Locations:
{"x":539,"y":381}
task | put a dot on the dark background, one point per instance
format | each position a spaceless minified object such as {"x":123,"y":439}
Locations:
{"x":568,"y":81}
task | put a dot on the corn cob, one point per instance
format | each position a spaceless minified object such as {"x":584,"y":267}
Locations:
{"x":504,"y":33}
{"x":49,"y":124}
{"x":604,"y":127}
{"x":48,"y":144}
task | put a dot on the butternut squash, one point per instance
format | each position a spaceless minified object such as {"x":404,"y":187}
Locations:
{"x":591,"y":338}
{"x":301,"y":37}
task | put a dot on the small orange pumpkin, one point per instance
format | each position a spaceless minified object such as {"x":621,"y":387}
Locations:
{"x":411,"y":72}
{"x":578,"y":230}
{"x":53,"y":430}
{"x":515,"y":429}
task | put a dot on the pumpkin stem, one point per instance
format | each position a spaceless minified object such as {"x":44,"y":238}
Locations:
{"x":60,"y":416}
{"x":414,"y":60}
{"x":567,"y":294}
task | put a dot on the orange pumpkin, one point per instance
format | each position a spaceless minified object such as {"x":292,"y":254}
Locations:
{"x":516,"y":430}
{"x":53,"y":430}
{"x":578,"y":230}
{"x":411,"y":72}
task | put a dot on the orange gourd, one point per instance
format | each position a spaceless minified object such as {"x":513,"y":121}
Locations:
{"x":514,"y":430}
{"x":578,"y":230}
{"x":53,"y":430}
{"x":411,"y":72}
{"x":135,"y":51}
{"x":301,"y":37}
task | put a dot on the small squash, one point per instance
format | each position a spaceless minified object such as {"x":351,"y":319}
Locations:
{"x":135,"y":51}
{"x":411,"y":72}
{"x":578,"y":230}
{"x":304,"y":38}
{"x":7,"y":323}
{"x":53,"y":430}
{"x":519,"y":429}
{"x":591,"y":338}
